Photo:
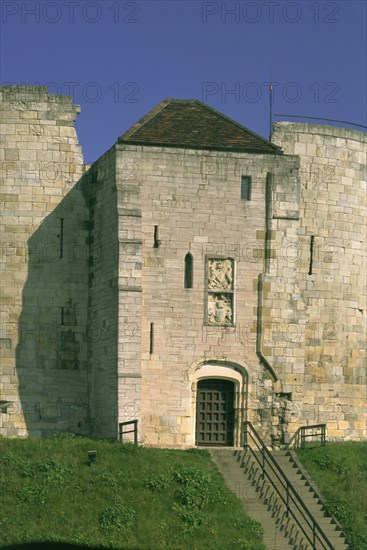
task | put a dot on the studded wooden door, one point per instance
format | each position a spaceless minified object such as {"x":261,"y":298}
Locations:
{"x":215,"y":412}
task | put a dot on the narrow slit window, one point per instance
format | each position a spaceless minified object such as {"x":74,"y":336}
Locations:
{"x":156,"y":242}
{"x":312,"y":240}
{"x":61,"y":237}
{"x":62,"y":316}
{"x":188,"y":270}
{"x":246,"y":188}
{"x":151,"y":338}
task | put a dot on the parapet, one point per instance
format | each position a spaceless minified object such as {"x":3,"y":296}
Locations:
{"x":37,"y":98}
{"x":320,"y":129}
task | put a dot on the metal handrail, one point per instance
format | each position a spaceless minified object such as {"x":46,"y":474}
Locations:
{"x":322,"y":118}
{"x":134,"y":430}
{"x":268,"y":459}
{"x":301,"y":435}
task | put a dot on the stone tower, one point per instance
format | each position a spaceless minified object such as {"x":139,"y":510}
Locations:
{"x":43,"y":376}
{"x":195,"y":276}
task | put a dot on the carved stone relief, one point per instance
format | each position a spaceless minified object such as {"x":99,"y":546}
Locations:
{"x":220,"y":291}
{"x":220,"y":275}
{"x":220,"y":309}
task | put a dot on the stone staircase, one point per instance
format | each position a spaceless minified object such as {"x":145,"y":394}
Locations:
{"x":261,"y":502}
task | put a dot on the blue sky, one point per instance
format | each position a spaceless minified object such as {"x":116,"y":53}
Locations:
{"x":120,"y":58}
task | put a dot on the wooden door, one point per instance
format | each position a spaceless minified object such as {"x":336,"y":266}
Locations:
{"x":215,"y":412}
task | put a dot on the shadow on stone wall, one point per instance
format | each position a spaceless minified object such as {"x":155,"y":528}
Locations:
{"x":51,"y":355}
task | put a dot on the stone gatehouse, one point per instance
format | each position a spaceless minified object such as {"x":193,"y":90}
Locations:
{"x":195,"y":276}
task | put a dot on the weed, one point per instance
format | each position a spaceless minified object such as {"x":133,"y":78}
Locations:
{"x":198,"y":452}
{"x":33,"y":494}
{"x":107,"y":479}
{"x":340,"y":472}
{"x":325,"y":460}
{"x":119,"y":515}
{"x":129,"y":448}
{"x":10,"y":459}
{"x":48,"y":470}
{"x":158,"y":483}
{"x":192,"y":518}
{"x":197,"y":489}
{"x":254,"y":526}
{"x":45,"y":486}
{"x":65,"y":435}
{"x":244,"y":544}
{"x":193,"y":476}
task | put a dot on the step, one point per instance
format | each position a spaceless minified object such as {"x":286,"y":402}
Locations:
{"x":273,"y":537}
{"x":261,"y":501}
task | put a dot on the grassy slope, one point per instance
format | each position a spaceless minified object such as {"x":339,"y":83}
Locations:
{"x":340,"y":470}
{"x":131,"y":498}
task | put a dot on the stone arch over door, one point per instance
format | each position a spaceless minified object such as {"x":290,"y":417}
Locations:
{"x":227,"y":372}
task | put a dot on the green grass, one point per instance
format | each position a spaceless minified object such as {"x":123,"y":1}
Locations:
{"x":340,"y":471}
{"x":132,"y":497}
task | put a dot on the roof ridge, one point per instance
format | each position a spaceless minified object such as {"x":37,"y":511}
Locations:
{"x":184,"y":130}
{"x":140,"y":123}
{"x":229,"y":119}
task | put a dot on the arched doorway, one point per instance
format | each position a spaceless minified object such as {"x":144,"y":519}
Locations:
{"x":215,"y":407}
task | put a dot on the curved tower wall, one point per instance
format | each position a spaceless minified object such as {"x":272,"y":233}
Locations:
{"x":323,"y":358}
{"x":43,"y":383}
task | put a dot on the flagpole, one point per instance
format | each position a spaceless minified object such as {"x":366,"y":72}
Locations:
{"x":271,"y":103}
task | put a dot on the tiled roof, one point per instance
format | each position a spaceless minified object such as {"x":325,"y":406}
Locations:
{"x":192,"y":124}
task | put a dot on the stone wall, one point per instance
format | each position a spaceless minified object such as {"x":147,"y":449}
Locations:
{"x":192,"y":198}
{"x":98,"y":325}
{"x":44,"y":265}
{"x":289,"y":376}
{"x":319,"y":290}
{"x":99,"y":185}
{"x":129,"y":184}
